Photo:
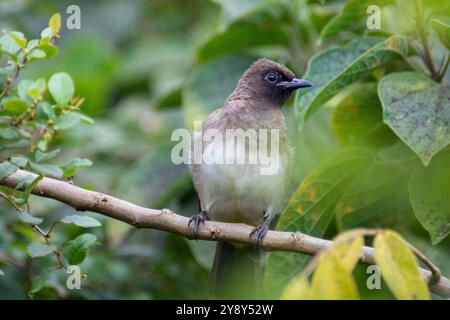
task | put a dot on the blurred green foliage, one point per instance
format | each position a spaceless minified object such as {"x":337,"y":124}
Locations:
{"x":145,"y":68}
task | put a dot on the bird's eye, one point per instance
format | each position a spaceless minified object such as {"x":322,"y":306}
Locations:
{"x":272,"y":77}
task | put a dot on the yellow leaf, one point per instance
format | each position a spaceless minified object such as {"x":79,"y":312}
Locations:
{"x":55,"y":24}
{"x":331,"y":281}
{"x":297,"y":289}
{"x":347,"y":250}
{"x":399,"y":267}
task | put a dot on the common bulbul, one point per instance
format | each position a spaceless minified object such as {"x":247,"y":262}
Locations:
{"x":239,"y":192}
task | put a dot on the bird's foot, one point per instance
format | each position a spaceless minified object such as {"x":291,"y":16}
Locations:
{"x":196,"y":219}
{"x":259,"y":231}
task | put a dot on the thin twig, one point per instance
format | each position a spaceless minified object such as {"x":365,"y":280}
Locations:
{"x":9,"y":81}
{"x":45,"y":235}
{"x":11,"y":260}
{"x":11,"y":201}
{"x":41,"y":232}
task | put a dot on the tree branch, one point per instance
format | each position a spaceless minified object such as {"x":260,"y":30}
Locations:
{"x":166,"y":220}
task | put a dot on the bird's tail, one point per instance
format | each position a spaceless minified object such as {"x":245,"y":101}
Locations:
{"x":236,"y":272}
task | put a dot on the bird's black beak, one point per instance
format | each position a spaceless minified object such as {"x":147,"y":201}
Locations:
{"x":295,"y":84}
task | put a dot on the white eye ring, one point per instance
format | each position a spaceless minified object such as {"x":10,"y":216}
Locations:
{"x":272,"y":77}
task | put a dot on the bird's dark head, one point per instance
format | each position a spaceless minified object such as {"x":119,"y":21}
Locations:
{"x":271,"y":81}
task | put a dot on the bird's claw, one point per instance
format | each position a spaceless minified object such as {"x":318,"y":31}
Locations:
{"x":259,"y":232}
{"x":197,"y":219}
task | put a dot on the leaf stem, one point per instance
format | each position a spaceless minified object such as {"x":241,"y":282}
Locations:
{"x":436,"y":273}
{"x":426,"y":56}
{"x":41,"y":232}
{"x":444,"y":69}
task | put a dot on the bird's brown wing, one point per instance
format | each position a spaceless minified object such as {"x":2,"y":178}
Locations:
{"x":216,"y":120}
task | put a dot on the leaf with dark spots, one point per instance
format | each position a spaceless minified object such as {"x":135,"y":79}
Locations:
{"x":428,"y":191}
{"x":336,"y":68}
{"x":417,"y":110}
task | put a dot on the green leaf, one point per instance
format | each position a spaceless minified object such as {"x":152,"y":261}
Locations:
{"x":417,"y":110}
{"x":6,"y":169}
{"x":310,"y":211}
{"x":23,"y":87}
{"x":8,"y":133}
{"x":30,"y":183}
{"x":24,"y":181}
{"x":442,"y":28}
{"x":55,"y":24}
{"x":49,"y":49}
{"x":331,"y":281}
{"x":260,"y":25}
{"x":47,"y":109}
{"x":37,"y":54}
{"x":86,"y":119}
{"x":81,"y":221}
{"x":232,"y":9}
{"x":399,"y":267}
{"x":78,"y":162}
{"x":61,"y":88}
{"x":32,"y":44}
{"x":373,"y":196}
{"x":428,"y":193}
{"x":19,"y":38}
{"x":8,"y":44}
{"x":16,"y":144}
{"x":203,"y":93}
{"x":40,"y":156}
{"x":67,"y":120}
{"x":71,"y":167}
{"x":358,"y":118}
{"x":38,"y":283}
{"x":70,"y":119}
{"x":240,"y":36}
{"x":169,"y":99}
{"x":20,"y":161}
{"x":76,"y":249}
{"x":46,"y":35}
{"x":335,"y":68}
{"x":28,"y":218}
{"x":353,"y":15}
{"x":38,"y":249}
{"x":36,"y":89}
{"x":15,"y":105}
{"x":47,"y":169}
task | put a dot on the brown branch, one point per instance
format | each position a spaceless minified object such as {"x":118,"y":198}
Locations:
{"x":166,"y":220}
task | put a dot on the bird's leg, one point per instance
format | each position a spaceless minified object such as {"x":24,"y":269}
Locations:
{"x":260,"y":230}
{"x":196,"y":219}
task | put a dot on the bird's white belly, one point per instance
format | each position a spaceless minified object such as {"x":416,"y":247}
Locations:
{"x":240,"y":192}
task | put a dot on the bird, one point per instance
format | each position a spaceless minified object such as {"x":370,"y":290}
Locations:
{"x":239,"y":192}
